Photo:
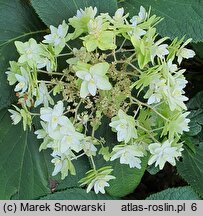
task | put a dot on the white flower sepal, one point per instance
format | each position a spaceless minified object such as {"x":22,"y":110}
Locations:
{"x":43,"y":96}
{"x":142,"y":15}
{"x":164,"y":152}
{"x":57,"y":37}
{"x":99,"y":183}
{"x":30,"y":51}
{"x":23,"y":81}
{"x":128,"y":154}
{"x":94,"y":79}
{"x":52,"y":116}
{"x":15,"y":116}
{"x":125,"y":126}
{"x":184,"y":52}
{"x":71,"y":139}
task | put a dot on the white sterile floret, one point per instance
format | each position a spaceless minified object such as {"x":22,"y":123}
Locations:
{"x":80,"y":21}
{"x":154,"y":94}
{"x":124,"y":125}
{"x":182,"y":123}
{"x":160,"y":51}
{"x":99,"y":183}
{"x":171,"y":67}
{"x":119,"y":17}
{"x":142,"y":15}
{"x":178,"y":124}
{"x":136,"y":31}
{"x":11,"y":77}
{"x":118,"y":14}
{"x":45,"y":62}
{"x":58,"y":164}
{"x":42,"y":133}
{"x":23,"y":81}
{"x":30,"y":51}
{"x":58,"y":36}
{"x":128,"y":154}
{"x":52,"y":116}
{"x":89,"y":11}
{"x":15,"y":116}
{"x":185,"y":53}
{"x":164,"y":152}
{"x":174,"y":97}
{"x":94,"y":79}
{"x":95,"y":26}
{"x":71,"y":139}
{"x":42,"y":96}
{"x":180,"y":81}
{"x":88,"y":146}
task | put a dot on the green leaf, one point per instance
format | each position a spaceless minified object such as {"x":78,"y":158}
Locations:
{"x":191,"y":169}
{"x":18,"y":21}
{"x":181,"y":17}
{"x":23,"y":171}
{"x":54,"y":12}
{"x":76,"y":194}
{"x":152,"y":169}
{"x":180,"y":193}
{"x":198,"y":48}
{"x":191,"y":166}
{"x":127,"y":179}
{"x":196,"y":102}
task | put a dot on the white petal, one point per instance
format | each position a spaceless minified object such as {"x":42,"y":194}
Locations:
{"x":99,"y":69}
{"x":46,"y":114}
{"x":92,"y":88}
{"x":82,"y":74}
{"x":84,"y":89}
{"x":103,"y":83}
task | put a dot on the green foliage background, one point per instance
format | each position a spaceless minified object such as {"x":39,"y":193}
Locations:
{"x":24,"y":172}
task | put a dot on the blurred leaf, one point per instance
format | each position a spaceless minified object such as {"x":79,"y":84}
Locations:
{"x":54,"y":12}
{"x":191,"y":169}
{"x":152,"y":169}
{"x":181,"y":17}
{"x":76,"y":194}
{"x":127,"y":179}
{"x":198,"y":48}
{"x":180,"y":193}
{"x":23,"y":169}
{"x":196,"y":102}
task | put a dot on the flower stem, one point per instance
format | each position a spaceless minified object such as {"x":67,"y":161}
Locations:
{"x":145,"y":104}
{"x":50,"y":73}
{"x":92,"y":161}
{"x":69,"y":47}
{"x":148,"y":132}
{"x":65,"y":54}
{"x":75,"y":158}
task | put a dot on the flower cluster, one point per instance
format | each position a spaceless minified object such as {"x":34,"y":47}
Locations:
{"x":118,"y":70}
